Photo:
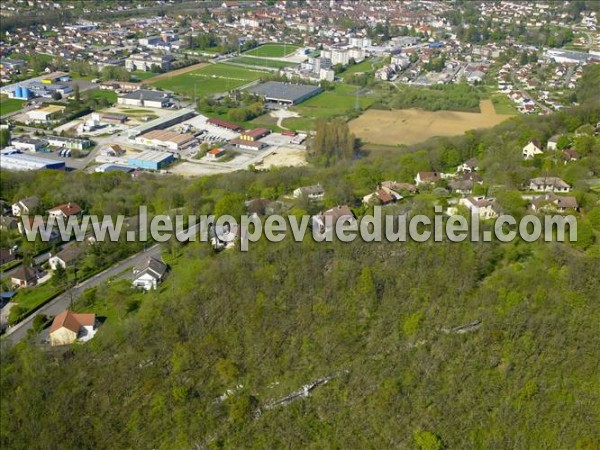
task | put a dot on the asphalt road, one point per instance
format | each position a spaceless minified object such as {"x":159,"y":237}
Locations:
{"x":63,"y":301}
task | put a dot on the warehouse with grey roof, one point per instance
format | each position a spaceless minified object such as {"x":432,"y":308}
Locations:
{"x":284,"y":93}
{"x":145,"y":97}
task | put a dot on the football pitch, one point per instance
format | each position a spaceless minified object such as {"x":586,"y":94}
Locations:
{"x":273,"y":50}
{"x":209,"y":80}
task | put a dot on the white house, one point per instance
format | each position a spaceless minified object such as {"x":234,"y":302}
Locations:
{"x":66,"y":257}
{"x":327,"y":220}
{"x":428,"y":177}
{"x":468,"y":166}
{"x":531,"y":149}
{"x":313,"y":193}
{"x":548,"y":184}
{"x":551,"y":202}
{"x":552,"y":142}
{"x":64,"y":211}
{"x":383,"y":196}
{"x":485,"y":207}
{"x":25,"y":206}
{"x":149,"y":275}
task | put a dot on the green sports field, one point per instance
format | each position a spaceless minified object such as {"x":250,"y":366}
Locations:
{"x":209,"y":80}
{"x":262,"y":62}
{"x":273,"y":50}
{"x":327,"y":104}
{"x":8,"y":105}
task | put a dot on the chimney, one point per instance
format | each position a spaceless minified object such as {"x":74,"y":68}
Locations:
{"x":69,"y":205}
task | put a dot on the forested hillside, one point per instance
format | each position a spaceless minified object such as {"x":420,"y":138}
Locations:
{"x":431,"y":346}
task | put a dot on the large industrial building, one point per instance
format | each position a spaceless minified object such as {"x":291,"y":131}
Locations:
{"x":147,"y":98}
{"x":70,"y":143}
{"x":284,"y":93}
{"x":151,"y":160}
{"x":167,"y":139}
{"x":11,"y":159}
{"x":46,"y":114}
{"x":163,"y":122}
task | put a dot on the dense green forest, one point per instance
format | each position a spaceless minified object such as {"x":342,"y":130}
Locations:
{"x":205,"y":361}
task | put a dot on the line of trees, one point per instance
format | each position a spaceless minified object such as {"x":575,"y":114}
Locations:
{"x":332,"y":141}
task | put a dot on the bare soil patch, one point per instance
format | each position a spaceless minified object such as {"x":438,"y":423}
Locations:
{"x":411,"y":126}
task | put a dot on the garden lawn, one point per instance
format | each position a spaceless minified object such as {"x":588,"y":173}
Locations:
{"x":9,"y":105}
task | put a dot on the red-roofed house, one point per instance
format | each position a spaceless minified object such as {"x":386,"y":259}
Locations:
{"x":64,"y":211}
{"x":69,"y":327}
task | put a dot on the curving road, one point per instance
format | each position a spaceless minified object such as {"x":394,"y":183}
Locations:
{"x":63,"y":301}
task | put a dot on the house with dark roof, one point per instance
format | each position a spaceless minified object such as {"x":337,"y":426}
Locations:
{"x":548,"y":184}
{"x":25,"y":206}
{"x":67,"y":257}
{"x":24,"y":277}
{"x":314,"y":193}
{"x":570,"y":155}
{"x":7,"y":255}
{"x":150,"y":274}
{"x":428,"y":177}
{"x":554,"y":203}
{"x":470,"y":165}
{"x":69,"y":327}
{"x":8,"y":223}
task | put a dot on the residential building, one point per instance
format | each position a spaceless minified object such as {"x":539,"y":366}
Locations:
{"x":67,"y":257}
{"x":64,"y":211}
{"x":24,"y":277}
{"x":532,"y":149}
{"x":428,"y":177}
{"x":314,"y":193}
{"x":554,"y":203}
{"x":147,"y":63}
{"x":25,"y":206}
{"x":149,"y":275}
{"x":326,"y":221}
{"x":548,"y":184}
{"x":69,"y":327}
{"x":485,"y":207}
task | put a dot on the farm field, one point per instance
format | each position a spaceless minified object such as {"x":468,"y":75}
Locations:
{"x":8,"y":105}
{"x":327,"y":104}
{"x":411,"y":126}
{"x":273,"y":50}
{"x":208,"y":80}
{"x":261,"y":62}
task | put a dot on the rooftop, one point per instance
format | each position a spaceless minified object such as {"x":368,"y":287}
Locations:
{"x":284,"y":91}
